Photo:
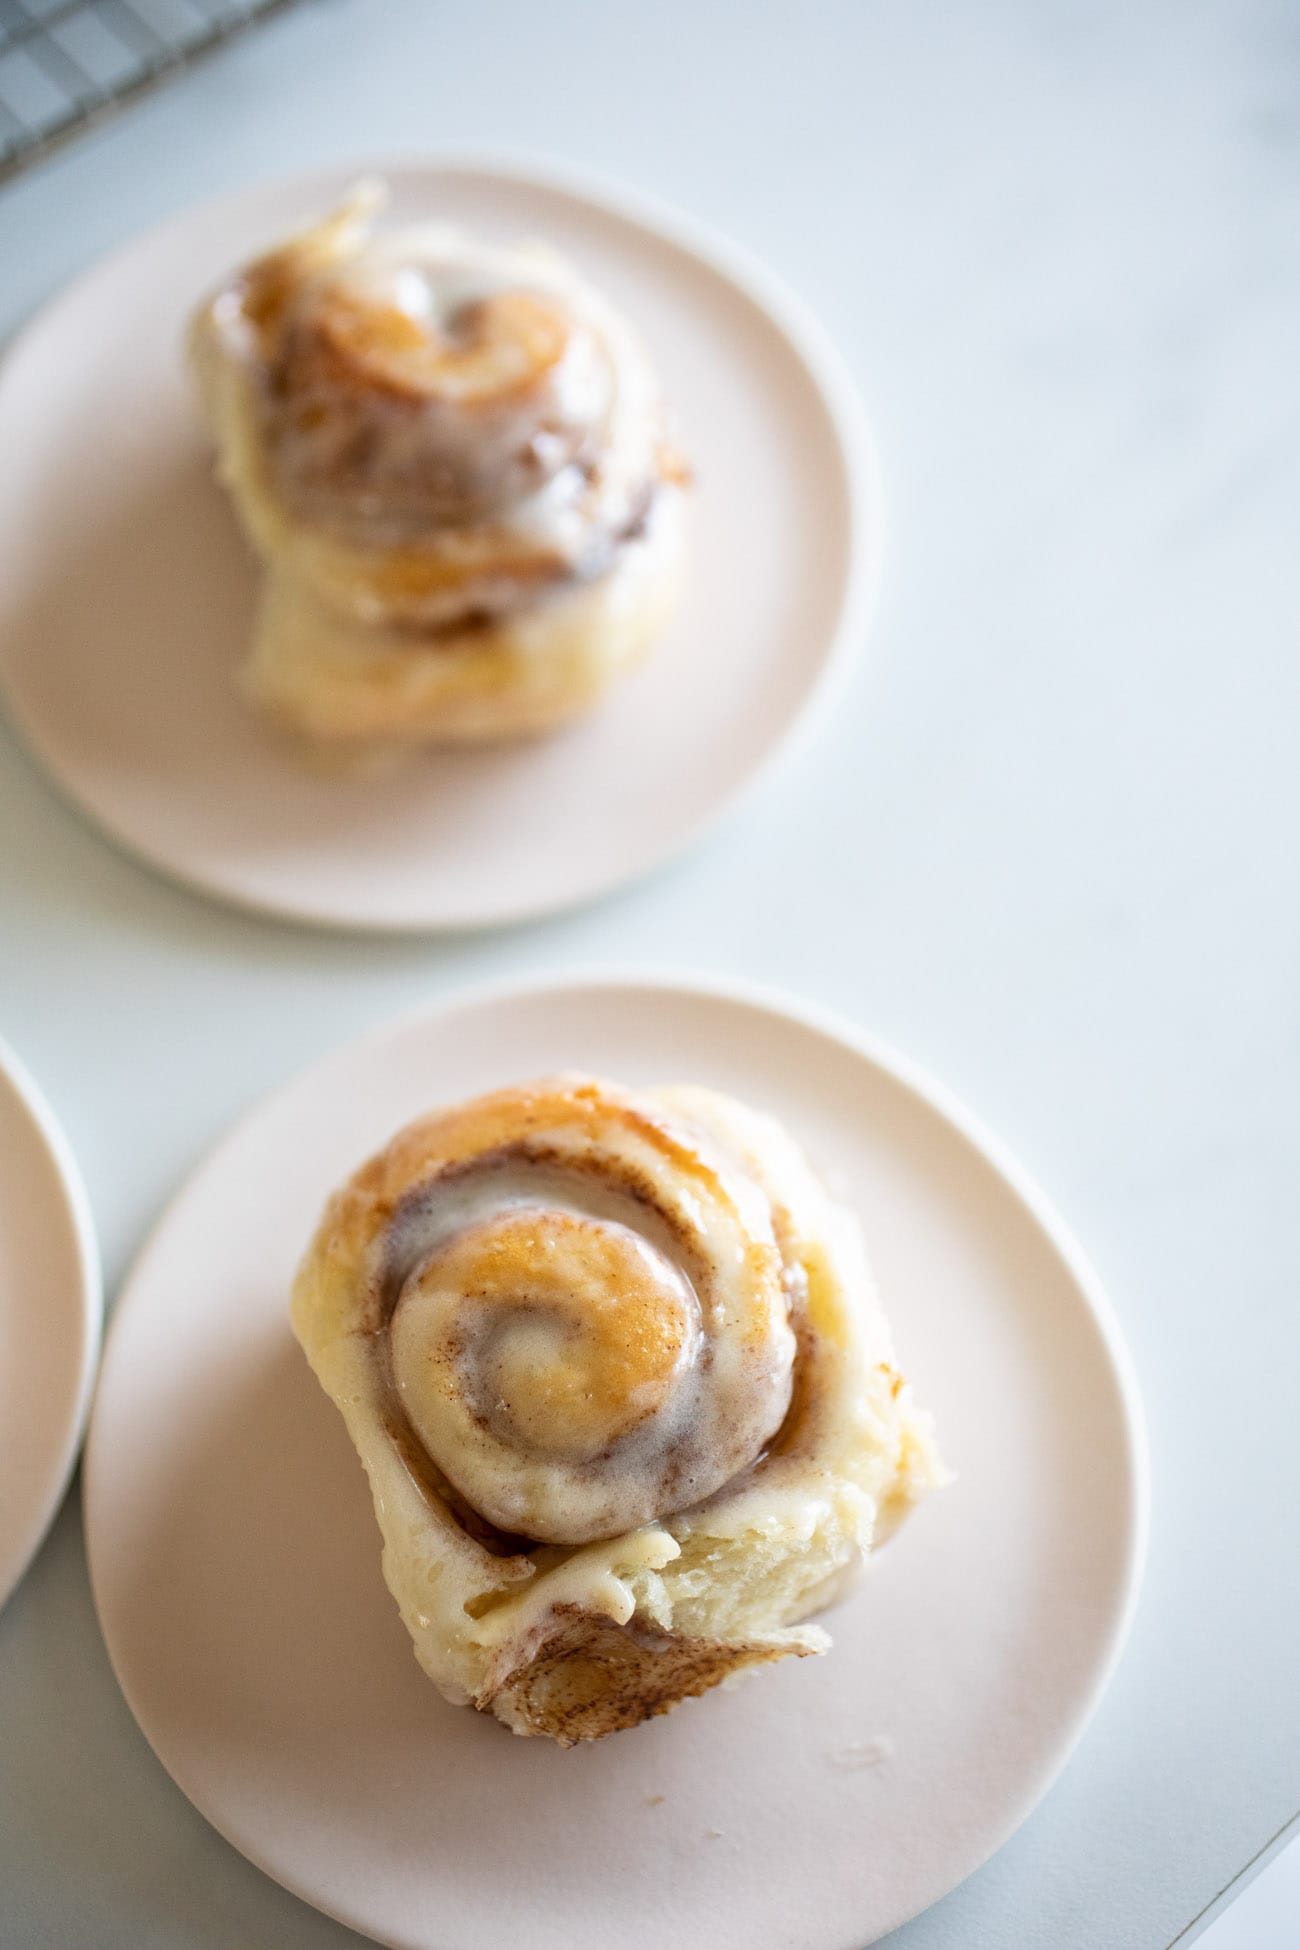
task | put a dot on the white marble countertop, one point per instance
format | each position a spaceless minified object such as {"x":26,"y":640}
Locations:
{"x":1047,"y":848}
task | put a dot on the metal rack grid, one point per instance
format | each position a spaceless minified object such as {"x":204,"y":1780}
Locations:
{"x":65,"y":64}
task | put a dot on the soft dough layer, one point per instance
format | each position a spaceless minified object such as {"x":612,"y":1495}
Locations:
{"x":453,"y":460}
{"x":623,"y":1391}
{"x":340,"y":683}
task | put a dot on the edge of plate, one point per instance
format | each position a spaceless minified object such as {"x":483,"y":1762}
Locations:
{"x":812,"y":346}
{"x":769,"y":1000}
{"x":91,"y":1294}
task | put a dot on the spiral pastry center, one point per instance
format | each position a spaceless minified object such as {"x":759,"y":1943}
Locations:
{"x":552,"y":1334}
{"x":485,"y":350}
{"x":429,"y":393}
{"x":587,"y":1328}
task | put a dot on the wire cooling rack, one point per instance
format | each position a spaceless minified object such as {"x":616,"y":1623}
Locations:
{"x":67,"y":63}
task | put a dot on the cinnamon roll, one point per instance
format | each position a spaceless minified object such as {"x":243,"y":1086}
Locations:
{"x":454,"y":460}
{"x":623,"y":1390}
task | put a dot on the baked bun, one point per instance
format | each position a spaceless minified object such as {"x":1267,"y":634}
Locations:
{"x":623,"y":1390}
{"x":454,"y":461}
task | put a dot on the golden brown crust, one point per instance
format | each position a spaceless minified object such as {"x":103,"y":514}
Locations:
{"x":456,"y":464}
{"x":592,"y":1677}
{"x":559,"y":1322}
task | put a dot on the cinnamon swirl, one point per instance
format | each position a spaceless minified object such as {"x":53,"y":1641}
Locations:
{"x":455,"y":463}
{"x":624,"y":1393}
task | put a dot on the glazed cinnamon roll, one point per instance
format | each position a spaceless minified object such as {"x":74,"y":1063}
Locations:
{"x":623,"y":1391}
{"x":454,"y":460}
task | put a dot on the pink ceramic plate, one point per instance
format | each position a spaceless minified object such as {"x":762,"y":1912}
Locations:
{"x":235,"y":1557}
{"x":49,"y":1317}
{"x":126,"y":593}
